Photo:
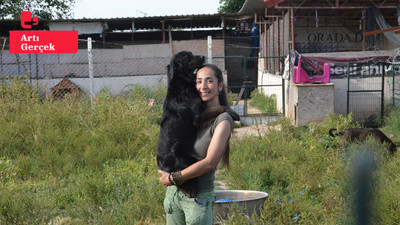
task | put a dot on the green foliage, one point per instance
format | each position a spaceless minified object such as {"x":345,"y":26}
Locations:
{"x":231,"y":98}
{"x":44,"y":9}
{"x":263,"y":102}
{"x":308,"y":174}
{"x":392,"y":123}
{"x":230,"y":6}
{"x":64,"y":162}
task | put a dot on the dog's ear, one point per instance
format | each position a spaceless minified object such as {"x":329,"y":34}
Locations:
{"x":170,"y":71}
{"x":181,"y":61}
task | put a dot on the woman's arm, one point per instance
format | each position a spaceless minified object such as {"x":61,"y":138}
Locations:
{"x":214,"y":154}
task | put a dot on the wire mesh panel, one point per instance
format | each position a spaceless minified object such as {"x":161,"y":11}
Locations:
{"x":365,"y":94}
{"x":396,"y":85}
{"x":139,"y":71}
{"x":124,"y":71}
{"x":250,"y":90}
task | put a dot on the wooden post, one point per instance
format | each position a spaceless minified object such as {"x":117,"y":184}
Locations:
{"x":292,"y":27}
{"x":277,"y":45}
{"x":265,"y":47}
{"x":163,"y":31}
{"x":364,"y":37}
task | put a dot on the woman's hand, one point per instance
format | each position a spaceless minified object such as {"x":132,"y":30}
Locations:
{"x":164,"y":178}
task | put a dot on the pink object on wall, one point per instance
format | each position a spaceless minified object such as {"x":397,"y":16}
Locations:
{"x":300,"y":76}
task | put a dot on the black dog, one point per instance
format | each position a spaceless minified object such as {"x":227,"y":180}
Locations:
{"x":359,"y":134}
{"x":181,"y":116}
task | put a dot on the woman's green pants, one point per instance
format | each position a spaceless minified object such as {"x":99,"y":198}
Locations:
{"x":180,"y":209}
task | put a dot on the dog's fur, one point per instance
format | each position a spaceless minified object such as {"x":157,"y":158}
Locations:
{"x":360,"y":134}
{"x":183,"y":113}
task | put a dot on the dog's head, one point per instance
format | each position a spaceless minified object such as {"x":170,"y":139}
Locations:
{"x":183,"y":65}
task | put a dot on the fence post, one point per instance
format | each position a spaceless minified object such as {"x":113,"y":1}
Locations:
{"x":90,"y":60}
{"x":348,"y":89}
{"x":283,"y":87}
{"x":383,"y":93}
{"x":244,"y":58}
{"x":393,"y":83}
{"x":2,"y":68}
{"x":209,"y":42}
{"x":170,"y":40}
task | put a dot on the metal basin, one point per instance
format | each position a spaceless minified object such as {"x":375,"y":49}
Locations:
{"x":248,"y":202}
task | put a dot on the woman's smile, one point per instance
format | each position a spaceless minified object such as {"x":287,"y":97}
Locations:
{"x":208,"y":87}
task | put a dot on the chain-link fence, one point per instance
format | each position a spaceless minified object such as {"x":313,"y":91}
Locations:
{"x":140,"y":70}
{"x":115,"y":71}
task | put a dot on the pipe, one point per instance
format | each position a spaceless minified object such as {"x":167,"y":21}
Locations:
{"x":292,"y":28}
{"x":364,"y":37}
{"x":163,"y":33}
{"x":330,"y":8}
{"x":265,"y":47}
{"x":277,"y":46}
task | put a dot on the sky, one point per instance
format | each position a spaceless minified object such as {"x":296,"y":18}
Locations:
{"x":142,"y":8}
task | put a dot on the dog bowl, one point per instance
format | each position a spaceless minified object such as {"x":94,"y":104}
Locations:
{"x":248,"y":202}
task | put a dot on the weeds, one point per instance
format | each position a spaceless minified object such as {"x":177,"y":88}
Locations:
{"x":263,"y":102}
{"x":307,"y":173}
{"x":63,"y":162}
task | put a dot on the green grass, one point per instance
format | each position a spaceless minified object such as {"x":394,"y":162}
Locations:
{"x":62,"y":162}
{"x":314,"y":171}
{"x":263,"y":102}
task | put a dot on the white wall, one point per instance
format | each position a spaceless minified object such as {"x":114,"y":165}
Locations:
{"x":364,"y":103}
{"x":114,"y":69}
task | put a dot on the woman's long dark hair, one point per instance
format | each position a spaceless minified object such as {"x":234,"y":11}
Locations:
{"x":223,"y":101}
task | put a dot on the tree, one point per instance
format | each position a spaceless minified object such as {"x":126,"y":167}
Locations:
{"x":44,"y":9}
{"x":230,"y":6}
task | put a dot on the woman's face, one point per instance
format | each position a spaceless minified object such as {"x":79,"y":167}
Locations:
{"x":208,"y":87}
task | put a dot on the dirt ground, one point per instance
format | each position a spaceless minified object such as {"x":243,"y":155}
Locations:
{"x":254,"y":130}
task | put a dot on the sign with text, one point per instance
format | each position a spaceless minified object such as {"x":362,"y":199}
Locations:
{"x":43,"y":41}
{"x":342,"y":38}
{"x":28,"y":41}
{"x":367,"y":66}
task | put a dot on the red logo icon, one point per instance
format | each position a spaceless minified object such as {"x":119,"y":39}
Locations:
{"x":27,"y":21}
{"x":30,"y":41}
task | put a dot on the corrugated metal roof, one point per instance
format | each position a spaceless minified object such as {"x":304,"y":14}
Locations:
{"x":151,"y":22}
{"x":347,"y":8}
{"x":149,"y":17}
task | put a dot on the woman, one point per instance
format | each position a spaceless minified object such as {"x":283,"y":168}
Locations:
{"x":211,"y":145}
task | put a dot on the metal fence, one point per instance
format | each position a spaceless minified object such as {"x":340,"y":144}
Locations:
{"x":137,"y":72}
{"x":370,"y":97}
{"x":252,"y":94}
{"x":114,"y":71}
{"x":396,"y":85}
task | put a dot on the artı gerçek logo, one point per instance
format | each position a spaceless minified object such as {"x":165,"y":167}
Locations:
{"x":44,"y":41}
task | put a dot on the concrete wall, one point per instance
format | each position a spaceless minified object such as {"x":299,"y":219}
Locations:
{"x":114,"y":69}
{"x":309,"y":102}
{"x":363,"y":105}
{"x":115,"y":85}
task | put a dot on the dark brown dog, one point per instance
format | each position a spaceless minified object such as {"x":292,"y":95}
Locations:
{"x":360,"y":134}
